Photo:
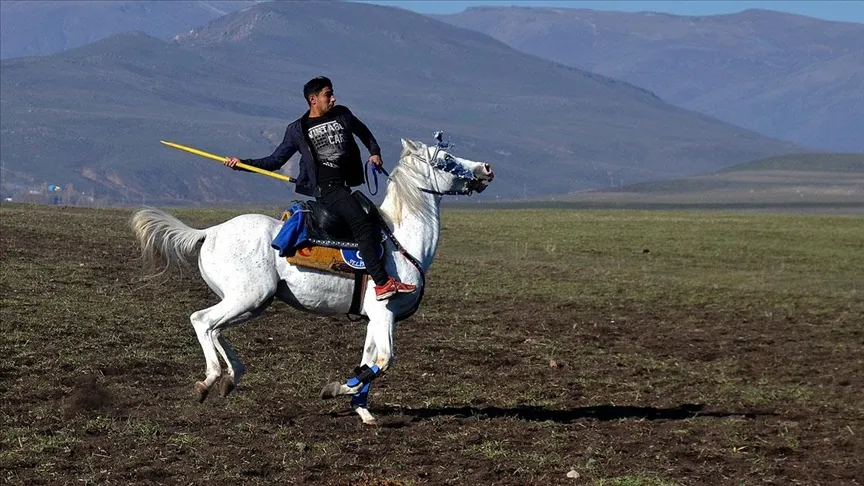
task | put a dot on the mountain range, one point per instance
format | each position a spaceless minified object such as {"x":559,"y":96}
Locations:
{"x":828,"y":182}
{"x":92,"y":116}
{"x":787,"y":76}
{"x":41,"y":27}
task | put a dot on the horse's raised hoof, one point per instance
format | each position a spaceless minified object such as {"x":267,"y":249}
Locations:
{"x":331,"y":390}
{"x":226,"y":385}
{"x":201,"y":391}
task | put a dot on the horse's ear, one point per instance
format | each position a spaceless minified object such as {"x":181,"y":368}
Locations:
{"x":409,"y":145}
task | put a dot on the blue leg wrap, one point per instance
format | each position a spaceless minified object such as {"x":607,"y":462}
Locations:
{"x":361,"y":398}
{"x":365,"y":375}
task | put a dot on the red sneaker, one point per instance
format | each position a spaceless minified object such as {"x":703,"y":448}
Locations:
{"x":391,"y":288}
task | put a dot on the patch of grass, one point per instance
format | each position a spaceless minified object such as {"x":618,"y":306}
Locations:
{"x":490,"y":449}
{"x":143,"y":428}
{"x":691,"y":258}
{"x":22,"y":441}
{"x":99,"y":425}
{"x":824,"y":162}
{"x":184,"y":440}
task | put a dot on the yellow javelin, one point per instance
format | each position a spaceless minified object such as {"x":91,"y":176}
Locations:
{"x":222,"y":159}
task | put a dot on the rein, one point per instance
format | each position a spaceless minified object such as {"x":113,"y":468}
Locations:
{"x":410,"y":258}
{"x":375,"y":172}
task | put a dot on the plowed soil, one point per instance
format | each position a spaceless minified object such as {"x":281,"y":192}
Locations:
{"x":489,"y":388}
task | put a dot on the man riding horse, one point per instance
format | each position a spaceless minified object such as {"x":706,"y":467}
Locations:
{"x":330,"y":165}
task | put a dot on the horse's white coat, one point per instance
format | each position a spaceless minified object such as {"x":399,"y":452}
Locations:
{"x":238,"y":263}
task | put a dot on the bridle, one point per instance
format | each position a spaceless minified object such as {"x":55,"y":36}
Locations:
{"x":447,"y":164}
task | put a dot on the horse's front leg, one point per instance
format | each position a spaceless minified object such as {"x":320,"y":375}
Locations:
{"x":377,"y":358}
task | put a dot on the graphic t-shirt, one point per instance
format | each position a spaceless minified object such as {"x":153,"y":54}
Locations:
{"x":329,"y":141}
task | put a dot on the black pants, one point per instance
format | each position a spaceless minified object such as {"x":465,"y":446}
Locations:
{"x":364,"y":227}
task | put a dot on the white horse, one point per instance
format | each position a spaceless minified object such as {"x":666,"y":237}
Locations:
{"x":238,"y":263}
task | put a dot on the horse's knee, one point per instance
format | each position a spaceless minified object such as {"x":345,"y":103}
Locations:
{"x":385,"y":361}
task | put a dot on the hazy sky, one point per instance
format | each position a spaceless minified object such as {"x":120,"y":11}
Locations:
{"x":847,"y":10}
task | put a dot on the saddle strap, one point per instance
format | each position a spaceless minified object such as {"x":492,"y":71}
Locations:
{"x":361,"y":279}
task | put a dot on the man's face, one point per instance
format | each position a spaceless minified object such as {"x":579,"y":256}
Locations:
{"x":324,"y":100}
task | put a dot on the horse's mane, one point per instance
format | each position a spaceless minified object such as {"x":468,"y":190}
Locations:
{"x":403,"y":191}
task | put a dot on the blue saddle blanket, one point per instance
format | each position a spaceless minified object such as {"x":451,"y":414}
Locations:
{"x":293,"y":233}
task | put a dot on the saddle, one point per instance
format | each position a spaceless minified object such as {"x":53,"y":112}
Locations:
{"x":327,"y":229}
{"x":327,"y":244}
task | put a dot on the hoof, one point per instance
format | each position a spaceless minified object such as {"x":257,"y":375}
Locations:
{"x":365,"y":416}
{"x":331,"y":390}
{"x":226,"y":385}
{"x":201,"y":391}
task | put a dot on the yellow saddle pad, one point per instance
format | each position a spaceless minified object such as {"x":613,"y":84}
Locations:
{"x":321,"y":258}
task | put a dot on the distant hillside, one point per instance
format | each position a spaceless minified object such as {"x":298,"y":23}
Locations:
{"x":794,"y":179}
{"x":786,"y":76}
{"x":93,"y":115}
{"x":38,"y":28}
{"x":852,"y":164}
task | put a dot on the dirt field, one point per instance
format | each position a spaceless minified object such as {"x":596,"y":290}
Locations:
{"x":553,"y":347}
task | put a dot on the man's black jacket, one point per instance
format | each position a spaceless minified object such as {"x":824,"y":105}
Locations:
{"x":295,"y":140}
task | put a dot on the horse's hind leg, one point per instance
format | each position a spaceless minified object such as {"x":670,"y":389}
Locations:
{"x":236,"y":368}
{"x":204,"y":322}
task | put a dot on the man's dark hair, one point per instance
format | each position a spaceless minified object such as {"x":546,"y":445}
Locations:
{"x":315,"y":85}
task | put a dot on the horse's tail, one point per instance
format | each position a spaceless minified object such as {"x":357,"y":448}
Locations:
{"x":164,"y":239}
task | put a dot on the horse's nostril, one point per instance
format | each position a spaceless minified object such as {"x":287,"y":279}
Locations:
{"x":488,"y":168}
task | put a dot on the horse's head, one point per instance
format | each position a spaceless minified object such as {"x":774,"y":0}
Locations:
{"x":445,"y":173}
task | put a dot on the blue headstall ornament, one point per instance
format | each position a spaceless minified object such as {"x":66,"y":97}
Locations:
{"x":440,"y":143}
{"x":439,"y":137}
{"x":450,"y":165}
